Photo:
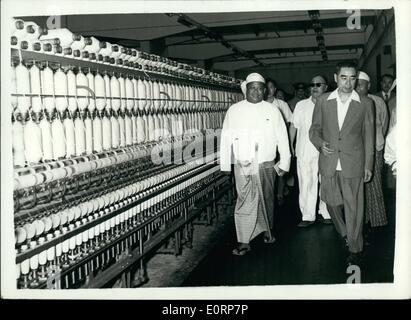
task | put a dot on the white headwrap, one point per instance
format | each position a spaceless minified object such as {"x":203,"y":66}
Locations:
{"x":254,"y":77}
{"x":363,"y":76}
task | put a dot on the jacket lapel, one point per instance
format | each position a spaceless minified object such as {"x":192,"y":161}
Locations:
{"x":353,"y":109}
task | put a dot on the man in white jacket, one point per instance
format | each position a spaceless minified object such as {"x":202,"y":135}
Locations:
{"x":307,"y":156}
{"x":252,"y":132}
{"x":282,"y":189}
{"x":390,"y":151}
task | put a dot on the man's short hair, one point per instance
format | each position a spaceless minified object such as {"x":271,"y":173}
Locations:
{"x":267,"y":80}
{"x":299,"y":85}
{"x":387,"y":75}
{"x":322,"y":76}
{"x":346,"y":64}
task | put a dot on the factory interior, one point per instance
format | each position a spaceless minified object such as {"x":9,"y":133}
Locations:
{"x":116,"y":123}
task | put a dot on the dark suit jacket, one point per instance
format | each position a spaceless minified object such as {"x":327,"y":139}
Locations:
{"x":354,"y":144}
{"x":379,"y":94}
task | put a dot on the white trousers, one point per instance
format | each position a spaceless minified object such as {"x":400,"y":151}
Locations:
{"x":309,"y":192}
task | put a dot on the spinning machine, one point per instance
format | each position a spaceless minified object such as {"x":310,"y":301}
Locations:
{"x":115,"y":155}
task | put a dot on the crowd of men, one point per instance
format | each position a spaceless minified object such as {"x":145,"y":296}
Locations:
{"x":336,"y":143}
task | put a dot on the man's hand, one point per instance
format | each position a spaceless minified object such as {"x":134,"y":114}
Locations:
{"x":326,"y":150}
{"x":367,"y":175}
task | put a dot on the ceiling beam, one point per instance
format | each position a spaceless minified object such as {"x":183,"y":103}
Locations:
{"x":188,"y":41}
{"x":235,"y":66}
{"x":241,"y":65}
{"x":281,"y":26}
{"x":187,"y":21}
{"x":277,"y":51}
{"x":185,"y":41}
{"x":213,"y":50}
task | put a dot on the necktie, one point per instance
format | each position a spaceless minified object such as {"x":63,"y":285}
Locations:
{"x":385,"y":97}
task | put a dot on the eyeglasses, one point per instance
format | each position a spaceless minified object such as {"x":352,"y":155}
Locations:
{"x":318,"y":84}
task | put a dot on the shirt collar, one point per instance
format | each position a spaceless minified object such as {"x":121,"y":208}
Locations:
{"x":310,"y":99}
{"x":354,"y":95}
{"x":253,"y":105}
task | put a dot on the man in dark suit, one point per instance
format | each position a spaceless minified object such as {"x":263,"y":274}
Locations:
{"x":386,"y":83}
{"x":342,"y":130}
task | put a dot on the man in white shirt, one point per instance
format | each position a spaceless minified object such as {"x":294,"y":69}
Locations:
{"x":342,"y":130}
{"x":252,"y":132}
{"x":390,"y":151}
{"x":390,"y":180}
{"x":375,"y":214}
{"x":299,"y":94}
{"x":307,"y":156}
{"x":280,"y":95}
{"x":287,"y":115}
{"x":280,"y":104}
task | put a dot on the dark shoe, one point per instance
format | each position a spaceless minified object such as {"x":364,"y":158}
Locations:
{"x":326,"y":221}
{"x":269,"y":237}
{"x":241,"y":251}
{"x":368,"y":238}
{"x":345,"y":239}
{"x":304,"y":224}
{"x":344,"y":243}
{"x":269,"y":240}
{"x":354,"y":259}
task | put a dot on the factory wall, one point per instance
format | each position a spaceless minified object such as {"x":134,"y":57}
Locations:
{"x":382,"y":57}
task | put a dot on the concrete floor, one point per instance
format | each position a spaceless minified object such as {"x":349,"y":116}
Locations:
{"x":312,"y":255}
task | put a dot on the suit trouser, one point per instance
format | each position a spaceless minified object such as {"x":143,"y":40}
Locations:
{"x":308,"y":184}
{"x":345,"y":203}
